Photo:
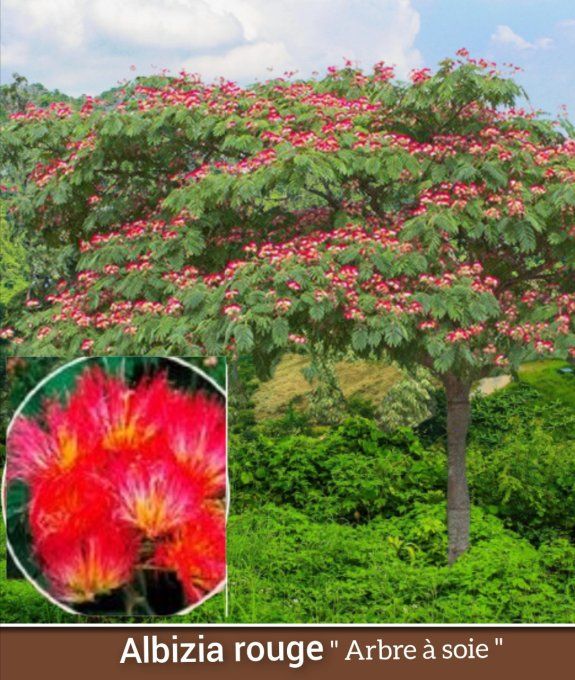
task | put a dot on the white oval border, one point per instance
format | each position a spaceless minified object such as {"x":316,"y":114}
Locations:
{"x":223,"y":391}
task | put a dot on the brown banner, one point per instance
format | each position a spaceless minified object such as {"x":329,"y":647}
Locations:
{"x":97,"y":653}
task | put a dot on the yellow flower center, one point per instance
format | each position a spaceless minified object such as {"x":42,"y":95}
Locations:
{"x":91,"y":579}
{"x":128,"y":433}
{"x":68,"y":448}
{"x":150,"y":514}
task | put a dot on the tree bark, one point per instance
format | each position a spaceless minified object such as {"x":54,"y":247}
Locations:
{"x":458,"y":506}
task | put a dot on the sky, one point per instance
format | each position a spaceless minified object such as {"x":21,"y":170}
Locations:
{"x":88,"y":46}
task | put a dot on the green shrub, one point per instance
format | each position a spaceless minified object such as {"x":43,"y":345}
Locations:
{"x":495,"y":416}
{"x":521,"y":460}
{"x":519,"y":405}
{"x":351,"y":473}
{"x":529,"y":480}
{"x":287,"y":568}
{"x":520,"y":468}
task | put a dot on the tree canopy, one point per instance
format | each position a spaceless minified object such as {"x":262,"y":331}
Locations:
{"x":430,"y":218}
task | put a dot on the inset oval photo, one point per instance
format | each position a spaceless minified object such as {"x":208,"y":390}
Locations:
{"x":115,"y":485}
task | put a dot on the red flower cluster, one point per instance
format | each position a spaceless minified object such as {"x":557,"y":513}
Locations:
{"x":123,"y":479}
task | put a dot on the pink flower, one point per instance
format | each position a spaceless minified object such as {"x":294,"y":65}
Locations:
{"x":43,"y":332}
{"x":283,"y":304}
{"x":233,"y":310}
{"x":155,"y":498}
{"x":420,"y":75}
{"x":297,"y":339}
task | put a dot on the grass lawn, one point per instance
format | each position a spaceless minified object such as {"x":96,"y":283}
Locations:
{"x":368,"y":379}
{"x":544,"y":376}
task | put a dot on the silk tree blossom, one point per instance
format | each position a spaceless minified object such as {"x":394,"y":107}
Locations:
{"x":111,"y":470}
{"x":90,"y":565}
{"x":297,"y":339}
{"x":200,"y":570}
{"x":420,"y":75}
{"x":38,"y":452}
{"x":155,"y":498}
{"x":232,"y":310}
{"x":283,"y":304}
{"x":69,"y":506}
{"x":198,"y":439}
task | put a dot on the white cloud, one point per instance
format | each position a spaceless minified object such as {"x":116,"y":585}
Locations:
{"x":169,"y":24}
{"x":57,"y":22}
{"x":246,"y":62}
{"x":543,"y":43}
{"x":319,"y":33}
{"x":504,"y":35}
{"x":566,"y":29}
{"x":88,"y":45}
{"x":14,"y":53}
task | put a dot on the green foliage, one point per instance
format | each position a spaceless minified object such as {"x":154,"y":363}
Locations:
{"x":15,"y":96}
{"x":521,"y":465}
{"x":288,"y":568}
{"x":352,"y":472}
{"x":501,"y":414}
{"x":15,"y":274}
{"x":529,"y":480}
{"x":493,"y":417}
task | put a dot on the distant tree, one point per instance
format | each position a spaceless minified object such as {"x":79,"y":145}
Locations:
{"x":16,"y":96}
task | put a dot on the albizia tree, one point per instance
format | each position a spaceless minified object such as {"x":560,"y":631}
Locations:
{"x":431,"y":222}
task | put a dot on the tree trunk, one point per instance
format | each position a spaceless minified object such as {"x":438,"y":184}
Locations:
{"x":458,"y":419}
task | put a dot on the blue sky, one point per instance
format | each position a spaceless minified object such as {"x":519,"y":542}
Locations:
{"x":86,"y":46}
{"x":542,"y":41}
